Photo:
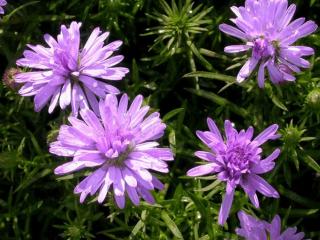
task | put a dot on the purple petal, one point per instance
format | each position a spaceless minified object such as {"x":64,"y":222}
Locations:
{"x":301,"y":50}
{"x":164,"y":154}
{"x":123,"y":104}
{"x":113,"y":46}
{"x":236,"y":48}
{"x":135,"y":105}
{"x":106,"y":184}
{"x":120,"y":200}
{"x":133,"y":195}
{"x":54,"y":100}
{"x":250,"y":191}
{"x":232,"y":31}
{"x":138,"y":116}
{"x":275,"y":227}
{"x":285,"y":19}
{"x":261,"y":78}
{"x":274,"y":73}
{"x":65,"y":96}
{"x":42,"y":98}
{"x":157,"y":184}
{"x":247,"y":69}
{"x":146,"y":146}
{"x":146,"y":195}
{"x":304,"y":30}
{"x":89,"y":155}
{"x":69,"y":167}
{"x":203,"y":170}
{"x":91,"y":120}
{"x":229,"y":130}
{"x":207,"y":156}
{"x":129,"y":178}
{"x":267,"y":164}
{"x":267,"y":134}
{"x":262,"y":186}
{"x":226,"y":205}
{"x":294,"y":59}
{"x":214,"y":129}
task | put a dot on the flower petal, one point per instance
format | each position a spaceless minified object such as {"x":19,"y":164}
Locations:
{"x":262,"y":186}
{"x":226,"y":205}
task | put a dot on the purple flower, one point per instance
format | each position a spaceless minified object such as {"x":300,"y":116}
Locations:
{"x":2,"y":4}
{"x":237,"y":160}
{"x":251,"y":228}
{"x":121,"y":145}
{"x":63,"y":73}
{"x":265,"y":29}
{"x":255,"y":229}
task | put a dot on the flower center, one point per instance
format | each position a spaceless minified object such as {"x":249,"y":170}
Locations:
{"x":74,"y":76}
{"x":116,"y":146}
{"x":238,"y":160}
{"x":118,"y":161}
{"x":262,"y":48}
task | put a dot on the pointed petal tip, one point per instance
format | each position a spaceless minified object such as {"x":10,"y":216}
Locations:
{"x":58,"y":171}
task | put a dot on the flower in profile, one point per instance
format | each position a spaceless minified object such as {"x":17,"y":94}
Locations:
{"x":265,"y":29}
{"x":2,"y":4}
{"x":237,"y":161}
{"x":65,"y":74}
{"x":255,"y":229}
{"x":121,"y":145}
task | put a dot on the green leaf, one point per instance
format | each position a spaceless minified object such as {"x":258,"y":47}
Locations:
{"x":171,"y":225}
{"x":211,"y":75}
{"x":311,"y":163}
{"x":172,"y":113}
{"x":9,"y":160}
{"x":220,"y":101}
{"x":287,"y":173}
{"x":195,"y":51}
{"x":300,"y":212}
{"x":136,"y":229}
{"x":274,"y":98}
{"x":9,"y":15}
{"x":278,"y":103}
{"x":210,"y":186}
{"x":35,"y":143}
{"x":34,"y":176}
{"x":298,"y":198}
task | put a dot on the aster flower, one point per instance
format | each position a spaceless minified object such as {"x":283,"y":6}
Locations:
{"x":66,"y":74}
{"x":2,"y":4}
{"x":237,"y":161}
{"x":255,"y":229}
{"x":121,"y":145}
{"x":265,"y":29}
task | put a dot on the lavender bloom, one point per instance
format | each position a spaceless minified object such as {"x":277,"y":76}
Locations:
{"x":237,"y":160}
{"x":251,"y":228}
{"x":264,"y":27}
{"x":65,"y":74}
{"x":121,"y":145}
{"x":2,"y":4}
{"x":255,"y":229}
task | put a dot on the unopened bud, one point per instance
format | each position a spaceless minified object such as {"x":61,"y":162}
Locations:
{"x":9,"y":80}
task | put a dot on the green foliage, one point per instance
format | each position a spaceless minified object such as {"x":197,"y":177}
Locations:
{"x":175,"y":54}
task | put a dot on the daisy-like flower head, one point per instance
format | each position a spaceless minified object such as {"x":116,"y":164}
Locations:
{"x":66,"y":74}
{"x":121,"y":146}
{"x":265,"y":29}
{"x":237,"y":161}
{"x":255,"y":229}
{"x":2,"y":4}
